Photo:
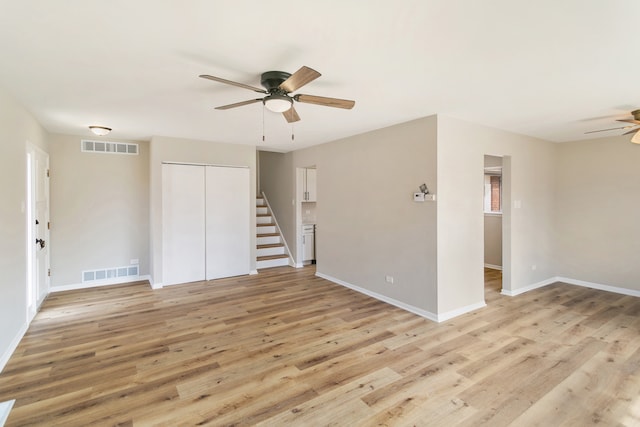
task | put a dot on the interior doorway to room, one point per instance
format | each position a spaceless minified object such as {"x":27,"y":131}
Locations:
{"x":493,"y":211}
{"x":37,"y":210}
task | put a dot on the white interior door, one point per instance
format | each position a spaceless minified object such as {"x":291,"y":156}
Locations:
{"x":37,"y":228}
{"x":228,"y":222}
{"x":183,"y":223}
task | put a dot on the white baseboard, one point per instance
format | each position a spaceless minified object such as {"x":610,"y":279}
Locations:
{"x":493,"y":267}
{"x":98,"y":283}
{"x":614,"y":289}
{"x":400,"y":304}
{"x":460,"y":311}
{"x":576,"y":282}
{"x":514,"y":292}
{"x":252,"y":272}
{"x":12,"y":347}
{"x":5,"y":408}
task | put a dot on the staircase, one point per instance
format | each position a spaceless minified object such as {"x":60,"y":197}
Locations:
{"x":271,"y":250}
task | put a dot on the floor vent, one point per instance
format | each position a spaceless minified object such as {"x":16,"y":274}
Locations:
{"x":109,"y":274}
{"x":91,"y":146}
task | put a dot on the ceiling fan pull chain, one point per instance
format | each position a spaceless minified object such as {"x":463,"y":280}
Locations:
{"x":292,"y":136}
{"x":263,"y":107}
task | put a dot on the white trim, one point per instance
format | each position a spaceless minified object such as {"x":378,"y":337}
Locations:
{"x":12,"y":347}
{"x":5,"y":408}
{"x":97,"y":283}
{"x":492,"y":213}
{"x":204,"y":164}
{"x":407,"y":307}
{"x":614,"y":289}
{"x":252,"y":272}
{"x":493,"y":267}
{"x":460,"y":311}
{"x":155,"y":286}
{"x":575,"y":282}
{"x":514,"y":292}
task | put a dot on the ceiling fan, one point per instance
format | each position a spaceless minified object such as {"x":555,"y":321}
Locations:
{"x":278,"y":86}
{"x":634,"y":127}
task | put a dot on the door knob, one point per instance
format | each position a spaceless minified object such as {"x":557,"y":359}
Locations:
{"x":41,"y":243}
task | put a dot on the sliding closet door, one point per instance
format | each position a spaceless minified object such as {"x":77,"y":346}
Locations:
{"x":183,"y":223}
{"x":227,"y":222}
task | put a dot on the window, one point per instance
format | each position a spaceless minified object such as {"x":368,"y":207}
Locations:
{"x":492,"y":193}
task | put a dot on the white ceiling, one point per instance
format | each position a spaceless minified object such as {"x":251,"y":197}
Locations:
{"x":548,"y":68}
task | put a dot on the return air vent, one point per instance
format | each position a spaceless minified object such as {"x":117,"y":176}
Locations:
{"x":92,"y":146}
{"x":109,"y":274}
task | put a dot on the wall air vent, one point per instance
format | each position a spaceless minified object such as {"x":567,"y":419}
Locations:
{"x":110,"y":274}
{"x":93,"y":146}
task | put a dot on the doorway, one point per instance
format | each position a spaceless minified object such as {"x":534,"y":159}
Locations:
{"x":496,"y":211}
{"x":38,"y":225}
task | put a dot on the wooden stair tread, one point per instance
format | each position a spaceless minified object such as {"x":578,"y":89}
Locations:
{"x":271,"y":224}
{"x":268,"y":234}
{"x":268,"y":257}
{"x":267,"y":214}
{"x":271,"y":245}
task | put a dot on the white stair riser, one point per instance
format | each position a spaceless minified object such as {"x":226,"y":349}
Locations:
{"x":272,"y":263}
{"x":270,"y":251}
{"x":260,"y":202}
{"x":264,"y":220}
{"x":261,"y":210}
{"x":268,"y":240}
{"x":266,"y":229}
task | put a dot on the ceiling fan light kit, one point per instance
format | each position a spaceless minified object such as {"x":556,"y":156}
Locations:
{"x":277,"y":103}
{"x":636,"y":138}
{"x":278,"y":86}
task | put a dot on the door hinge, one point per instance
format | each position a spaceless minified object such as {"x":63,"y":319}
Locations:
{"x":48,"y":225}
{"x":48,"y":173}
{"x":49,"y":272}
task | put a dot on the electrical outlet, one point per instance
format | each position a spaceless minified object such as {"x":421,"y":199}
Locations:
{"x":388,"y":279}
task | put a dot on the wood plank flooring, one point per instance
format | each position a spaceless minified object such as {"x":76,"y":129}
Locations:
{"x":287,"y":348}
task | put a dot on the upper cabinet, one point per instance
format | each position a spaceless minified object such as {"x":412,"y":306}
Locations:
{"x":309,"y":185}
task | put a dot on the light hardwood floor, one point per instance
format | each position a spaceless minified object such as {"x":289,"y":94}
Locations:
{"x":287,"y":348}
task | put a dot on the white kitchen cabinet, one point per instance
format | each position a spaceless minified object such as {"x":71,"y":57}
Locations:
{"x":308,"y":242}
{"x":309,"y":185}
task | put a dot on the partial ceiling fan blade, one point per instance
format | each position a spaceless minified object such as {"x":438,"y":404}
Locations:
{"x":238,"y":104}
{"x":229,"y":82}
{"x":291,"y":115}
{"x":605,"y":130}
{"x":635,"y":122}
{"x":298,"y":79}
{"x":327,"y":102}
{"x":634,"y":130}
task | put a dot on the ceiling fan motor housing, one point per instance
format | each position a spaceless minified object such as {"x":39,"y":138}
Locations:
{"x":272,"y":79}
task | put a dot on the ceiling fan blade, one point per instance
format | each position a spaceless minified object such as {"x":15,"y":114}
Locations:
{"x":634,"y":130}
{"x":604,"y":130}
{"x":635,"y":122}
{"x":327,"y":102}
{"x":238,"y":104}
{"x":229,"y":82}
{"x":298,"y":79}
{"x":291,"y":115}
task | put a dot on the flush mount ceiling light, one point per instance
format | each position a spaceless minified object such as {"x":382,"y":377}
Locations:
{"x":100,"y":130}
{"x":277,"y":103}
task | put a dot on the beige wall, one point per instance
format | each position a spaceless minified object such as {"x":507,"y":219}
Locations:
{"x":99,"y":209}
{"x":529,"y":181}
{"x":17,"y":127}
{"x":598,"y":212}
{"x":368,"y":225}
{"x":166,"y":149}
